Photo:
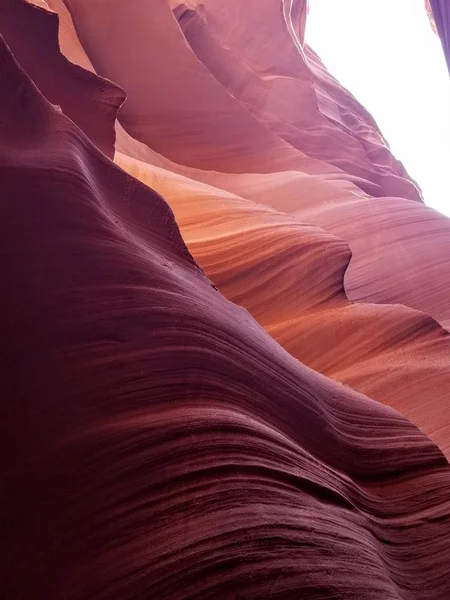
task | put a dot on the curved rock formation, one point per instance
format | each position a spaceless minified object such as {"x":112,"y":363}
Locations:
{"x":290,"y":276}
{"x":263,"y":63}
{"x":246,"y":146}
{"x":379,"y":247}
{"x":156,"y":440}
{"x":91,"y":102}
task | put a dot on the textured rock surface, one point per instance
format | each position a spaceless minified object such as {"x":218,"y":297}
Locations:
{"x":91,"y":102}
{"x":157,"y":439}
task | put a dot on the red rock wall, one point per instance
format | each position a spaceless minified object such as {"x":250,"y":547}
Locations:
{"x":242,"y":410}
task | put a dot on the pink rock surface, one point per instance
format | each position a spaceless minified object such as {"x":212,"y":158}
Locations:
{"x":158,"y":440}
{"x":91,"y":102}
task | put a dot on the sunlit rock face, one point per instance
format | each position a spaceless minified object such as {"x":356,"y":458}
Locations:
{"x":225,"y":368}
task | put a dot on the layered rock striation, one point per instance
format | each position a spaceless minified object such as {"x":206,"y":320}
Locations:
{"x":226,"y":362}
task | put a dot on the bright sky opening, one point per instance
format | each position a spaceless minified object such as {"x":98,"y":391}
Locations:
{"x":387,"y":55}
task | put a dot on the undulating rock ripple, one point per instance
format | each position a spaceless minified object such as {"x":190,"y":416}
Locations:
{"x":224,"y":315}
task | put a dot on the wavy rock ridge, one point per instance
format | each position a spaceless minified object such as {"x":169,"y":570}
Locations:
{"x":156,"y":441}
